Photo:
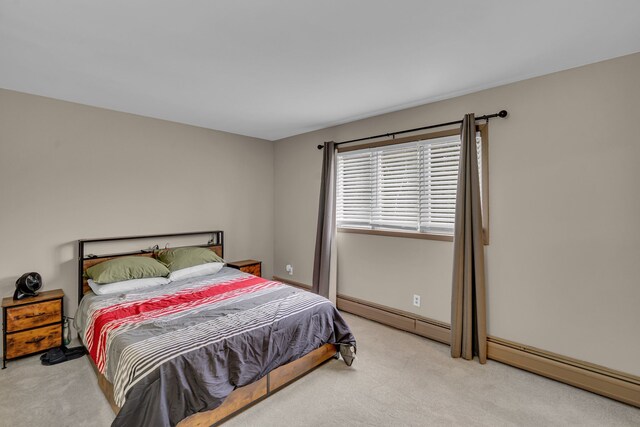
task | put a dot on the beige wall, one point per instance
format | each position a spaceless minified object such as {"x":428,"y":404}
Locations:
{"x":563,"y":261}
{"x":69,"y":171}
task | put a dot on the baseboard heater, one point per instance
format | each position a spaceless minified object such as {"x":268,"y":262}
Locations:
{"x":607,"y":382}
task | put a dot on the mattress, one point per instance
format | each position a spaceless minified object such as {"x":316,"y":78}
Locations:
{"x":181,"y":348}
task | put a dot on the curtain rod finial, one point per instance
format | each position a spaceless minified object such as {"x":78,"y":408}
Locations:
{"x":320,"y":146}
{"x":502,"y":114}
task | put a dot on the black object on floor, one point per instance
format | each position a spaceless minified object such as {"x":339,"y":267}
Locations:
{"x":62,"y":354}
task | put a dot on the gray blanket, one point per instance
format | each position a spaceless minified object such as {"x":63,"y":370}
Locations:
{"x":183,"y":348}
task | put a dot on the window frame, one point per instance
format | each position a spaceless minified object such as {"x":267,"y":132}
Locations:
{"x":483,"y":129}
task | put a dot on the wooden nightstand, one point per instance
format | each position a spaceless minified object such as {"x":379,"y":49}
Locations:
{"x":31,"y":325}
{"x":250,"y":266}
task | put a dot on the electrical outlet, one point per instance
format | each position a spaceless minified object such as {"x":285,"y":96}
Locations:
{"x":416,"y":300}
{"x":289,"y":269}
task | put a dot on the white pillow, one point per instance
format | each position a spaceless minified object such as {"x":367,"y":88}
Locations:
{"x":196,"y":271}
{"x":126,"y":285}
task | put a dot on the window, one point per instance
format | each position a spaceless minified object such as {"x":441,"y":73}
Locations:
{"x":405,"y":186}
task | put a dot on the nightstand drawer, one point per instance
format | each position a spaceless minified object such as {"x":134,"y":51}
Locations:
{"x":250,"y":266}
{"x":33,"y":315}
{"x":252,"y":269}
{"x":33,"y":341}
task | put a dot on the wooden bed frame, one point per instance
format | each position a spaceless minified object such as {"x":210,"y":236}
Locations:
{"x":242,"y":397}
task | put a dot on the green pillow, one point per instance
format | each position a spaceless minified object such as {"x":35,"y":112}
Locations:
{"x":126,"y":268}
{"x":179,"y":258}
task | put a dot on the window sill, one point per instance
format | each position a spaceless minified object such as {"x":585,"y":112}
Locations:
{"x":393,"y":233}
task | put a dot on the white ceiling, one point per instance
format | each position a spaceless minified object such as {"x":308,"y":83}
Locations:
{"x":276,"y":68}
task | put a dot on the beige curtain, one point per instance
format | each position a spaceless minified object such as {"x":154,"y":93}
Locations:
{"x":324,"y":270}
{"x":468,"y":308}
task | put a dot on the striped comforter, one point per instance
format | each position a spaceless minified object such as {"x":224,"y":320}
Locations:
{"x":182,"y":348}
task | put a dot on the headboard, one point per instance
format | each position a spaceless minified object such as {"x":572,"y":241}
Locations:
{"x":215,"y":243}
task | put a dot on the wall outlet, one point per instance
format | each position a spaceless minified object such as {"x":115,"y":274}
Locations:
{"x":289,"y":269}
{"x":416,"y":300}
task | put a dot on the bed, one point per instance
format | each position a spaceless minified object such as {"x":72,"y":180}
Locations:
{"x":194,"y":352}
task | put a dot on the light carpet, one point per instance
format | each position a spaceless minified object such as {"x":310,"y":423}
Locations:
{"x":399,"y":379}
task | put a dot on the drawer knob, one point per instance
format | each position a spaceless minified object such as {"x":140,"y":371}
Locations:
{"x":35,"y":340}
{"x":28,"y":316}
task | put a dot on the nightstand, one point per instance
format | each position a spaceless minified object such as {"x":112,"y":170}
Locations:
{"x":250,"y":266}
{"x":31,"y":325}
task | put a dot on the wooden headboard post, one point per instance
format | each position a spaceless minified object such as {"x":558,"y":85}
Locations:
{"x":215,"y":243}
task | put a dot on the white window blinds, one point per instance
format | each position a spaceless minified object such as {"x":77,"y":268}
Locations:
{"x":410,"y":186}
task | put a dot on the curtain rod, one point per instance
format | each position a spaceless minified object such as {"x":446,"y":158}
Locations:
{"x":502,"y":114}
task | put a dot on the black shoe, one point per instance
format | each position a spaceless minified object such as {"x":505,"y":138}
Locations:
{"x":74,"y":352}
{"x":62,"y":354}
{"x":53,"y":357}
